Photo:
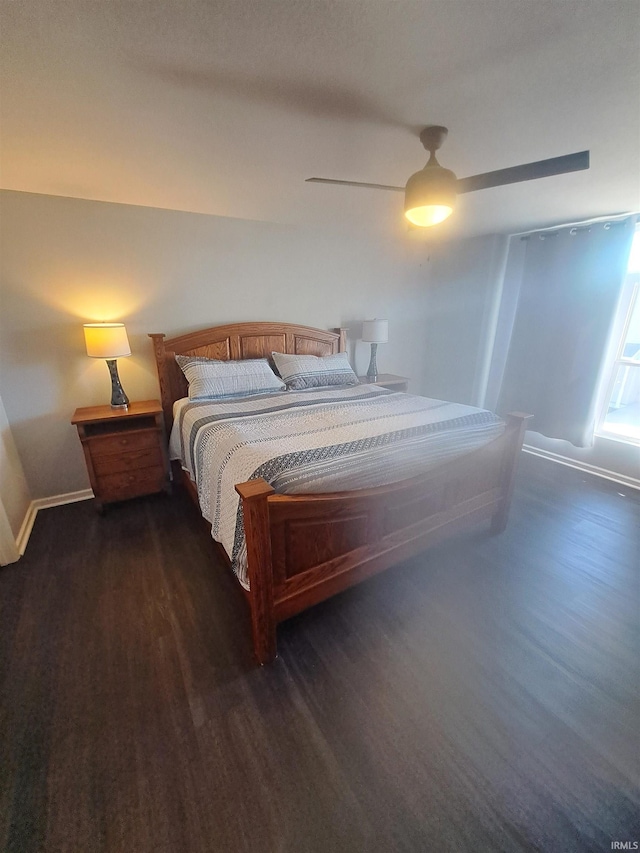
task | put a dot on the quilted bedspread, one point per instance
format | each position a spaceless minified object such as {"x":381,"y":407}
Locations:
{"x":322,"y":440}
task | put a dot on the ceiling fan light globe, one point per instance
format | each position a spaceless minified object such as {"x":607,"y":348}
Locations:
{"x":430,"y":195}
{"x":428,"y":215}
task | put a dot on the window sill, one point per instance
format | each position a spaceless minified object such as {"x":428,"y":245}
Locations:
{"x":614,"y":436}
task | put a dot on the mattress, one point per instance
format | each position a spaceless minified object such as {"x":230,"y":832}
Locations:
{"x":320,"y":440}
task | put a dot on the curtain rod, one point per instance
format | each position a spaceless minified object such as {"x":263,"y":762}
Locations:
{"x":583,"y":222}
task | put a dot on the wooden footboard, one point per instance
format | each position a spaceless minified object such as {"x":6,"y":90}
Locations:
{"x":303,"y":549}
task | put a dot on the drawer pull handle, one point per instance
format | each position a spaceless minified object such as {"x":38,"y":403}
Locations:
{"x":124,"y":441}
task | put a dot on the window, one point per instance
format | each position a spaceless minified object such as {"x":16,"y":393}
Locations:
{"x":620,"y":415}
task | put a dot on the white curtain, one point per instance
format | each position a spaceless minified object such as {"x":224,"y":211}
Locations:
{"x":570,"y":284}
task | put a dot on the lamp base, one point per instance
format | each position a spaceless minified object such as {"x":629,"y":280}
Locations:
{"x":372,"y":370}
{"x":119,"y":399}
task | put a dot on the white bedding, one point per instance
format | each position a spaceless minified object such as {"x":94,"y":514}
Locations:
{"x":320,"y":440}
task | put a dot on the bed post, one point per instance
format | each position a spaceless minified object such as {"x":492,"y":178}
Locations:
{"x":163,"y":379}
{"x":254,"y":494}
{"x":342,"y":345}
{"x":516,"y":426}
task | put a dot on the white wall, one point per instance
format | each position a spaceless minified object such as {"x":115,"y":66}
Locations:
{"x":68,"y":261}
{"x":14,"y":493}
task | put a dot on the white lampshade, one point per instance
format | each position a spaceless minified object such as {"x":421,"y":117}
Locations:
{"x":106,"y":340}
{"x":375,"y":331}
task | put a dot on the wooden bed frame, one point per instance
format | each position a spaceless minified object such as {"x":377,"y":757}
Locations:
{"x":304,"y":549}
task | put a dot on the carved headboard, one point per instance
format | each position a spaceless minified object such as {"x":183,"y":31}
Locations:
{"x":233,"y":342}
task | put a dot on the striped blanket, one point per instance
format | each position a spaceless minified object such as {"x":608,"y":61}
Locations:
{"x":321,"y":440}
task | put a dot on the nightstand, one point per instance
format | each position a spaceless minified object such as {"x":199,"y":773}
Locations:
{"x":388,"y":380}
{"x":125,"y":451}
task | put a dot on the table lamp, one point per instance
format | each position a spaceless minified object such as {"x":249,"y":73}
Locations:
{"x":374,"y":332}
{"x":109,"y":341}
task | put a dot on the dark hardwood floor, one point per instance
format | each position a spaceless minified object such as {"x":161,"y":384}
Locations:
{"x":481,"y":697}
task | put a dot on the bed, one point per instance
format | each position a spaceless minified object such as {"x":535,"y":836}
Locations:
{"x":299,"y":549}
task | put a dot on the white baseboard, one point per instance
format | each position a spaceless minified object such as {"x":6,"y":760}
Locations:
{"x":622,"y":479}
{"x":25,"y":529}
{"x":61,"y":500}
{"x":45,"y":503}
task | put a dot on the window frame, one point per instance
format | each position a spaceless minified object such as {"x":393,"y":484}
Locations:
{"x":630,"y":297}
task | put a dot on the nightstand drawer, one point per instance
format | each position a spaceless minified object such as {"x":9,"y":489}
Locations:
{"x":118,"y":487}
{"x":127,"y":461}
{"x":108,"y":444}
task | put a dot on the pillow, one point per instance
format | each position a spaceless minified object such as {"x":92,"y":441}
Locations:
{"x":314,"y":371}
{"x":209,"y":379}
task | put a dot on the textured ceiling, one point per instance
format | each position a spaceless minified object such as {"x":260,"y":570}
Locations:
{"x":226,"y":107}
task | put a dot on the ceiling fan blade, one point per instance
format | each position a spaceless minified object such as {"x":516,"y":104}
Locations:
{"x":526,"y":172}
{"x":353,"y":184}
{"x":513,"y":175}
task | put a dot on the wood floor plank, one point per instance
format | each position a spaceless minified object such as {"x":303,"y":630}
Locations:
{"x":482,"y":696}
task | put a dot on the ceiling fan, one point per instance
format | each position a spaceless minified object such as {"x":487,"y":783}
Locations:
{"x":430,"y":194}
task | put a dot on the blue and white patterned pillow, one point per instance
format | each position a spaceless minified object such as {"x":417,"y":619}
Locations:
{"x":210,"y":379}
{"x":314,"y":371}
